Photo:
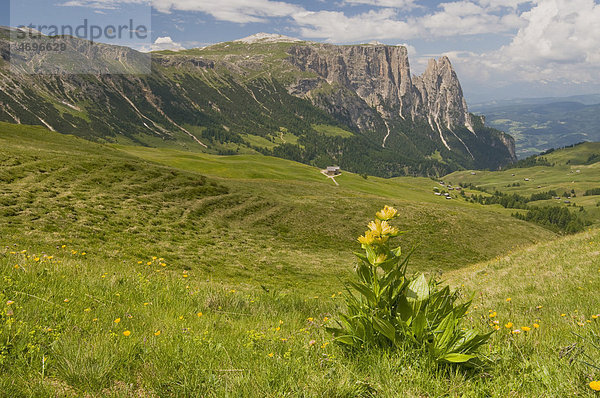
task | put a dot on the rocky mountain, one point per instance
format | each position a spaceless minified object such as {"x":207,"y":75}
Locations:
{"x":357,"y":106}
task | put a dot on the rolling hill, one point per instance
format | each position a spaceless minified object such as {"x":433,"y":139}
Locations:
{"x":570,"y":172}
{"x":210,"y":212}
{"x":132,"y":271}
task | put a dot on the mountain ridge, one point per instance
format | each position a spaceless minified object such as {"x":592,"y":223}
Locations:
{"x":250,"y":94}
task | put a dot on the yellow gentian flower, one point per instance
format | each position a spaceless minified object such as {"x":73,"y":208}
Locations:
{"x":387,"y":213}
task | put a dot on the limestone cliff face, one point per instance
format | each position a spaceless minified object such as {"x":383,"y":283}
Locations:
{"x":439,"y":97}
{"x":380,"y":76}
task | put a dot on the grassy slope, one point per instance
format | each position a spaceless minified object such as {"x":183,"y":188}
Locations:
{"x":555,"y":285}
{"x":561,"y":177}
{"x":451,"y":233}
{"x":290,"y":230}
{"x":190,"y":337}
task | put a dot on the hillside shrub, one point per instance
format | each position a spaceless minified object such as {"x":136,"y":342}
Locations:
{"x":386,"y":308}
{"x":558,"y":219}
{"x":593,"y":191}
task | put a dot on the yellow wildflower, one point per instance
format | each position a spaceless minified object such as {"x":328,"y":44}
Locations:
{"x":117,"y":320}
{"x":157,"y":333}
{"x":595,"y":385}
{"x":493,"y":314}
{"x":496,"y":327}
{"x":382,"y":228}
{"x":594,"y":316}
{"x":536,"y":325}
{"x":87,"y":309}
{"x":270,"y":355}
{"x":199,"y":314}
{"x":508,"y":300}
{"x":516,"y":331}
{"x":387,"y":213}
{"x":66,"y":300}
{"x":526,"y":328}
{"x":367,"y":239}
{"x":310,"y":319}
{"x":126,"y":333}
{"x":508,"y":325}
{"x":563,"y":314}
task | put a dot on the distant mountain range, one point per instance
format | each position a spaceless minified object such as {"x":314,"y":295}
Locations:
{"x":356,"y":106}
{"x":539,"y":124}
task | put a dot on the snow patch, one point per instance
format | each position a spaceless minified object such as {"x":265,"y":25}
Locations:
{"x":268,"y":38}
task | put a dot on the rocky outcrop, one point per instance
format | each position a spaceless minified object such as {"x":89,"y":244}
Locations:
{"x":380,"y":76}
{"x":439,"y":97}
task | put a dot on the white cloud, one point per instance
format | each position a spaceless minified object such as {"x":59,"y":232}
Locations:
{"x":239,"y":11}
{"x":335,"y":26}
{"x":559,"y":43}
{"x":164,"y":43}
{"x":499,"y":4}
{"x":405,"y":4}
{"x":459,"y":18}
{"x":101,"y":4}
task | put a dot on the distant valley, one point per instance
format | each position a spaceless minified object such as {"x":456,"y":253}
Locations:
{"x":538,"y":124}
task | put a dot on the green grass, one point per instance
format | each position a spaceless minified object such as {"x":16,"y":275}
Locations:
{"x":332,"y":131}
{"x":259,"y":246}
{"x":568,"y":173}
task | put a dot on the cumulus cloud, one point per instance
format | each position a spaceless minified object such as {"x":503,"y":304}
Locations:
{"x":559,"y":42}
{"x":406,"y":4}
{"x":459,"y":18}
{"x":101,"y":4}
{"x":162,"y":44}
{"x":239,"y":11}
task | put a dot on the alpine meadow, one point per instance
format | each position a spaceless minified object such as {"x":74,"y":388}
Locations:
{"x":184,"y":213}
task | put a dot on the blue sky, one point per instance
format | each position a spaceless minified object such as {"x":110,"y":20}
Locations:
{"x":500,"y":48}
